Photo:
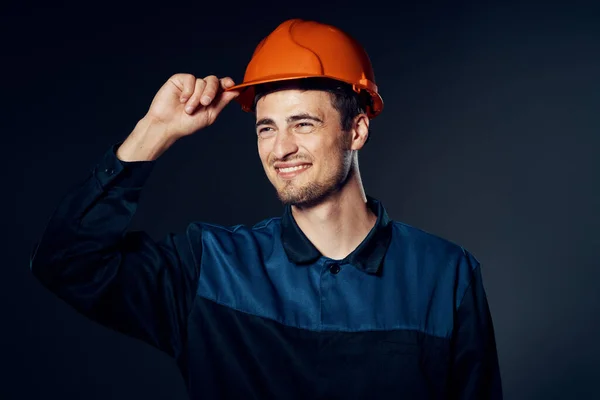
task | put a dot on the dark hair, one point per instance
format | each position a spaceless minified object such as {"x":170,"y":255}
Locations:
{"x":343,"y":98}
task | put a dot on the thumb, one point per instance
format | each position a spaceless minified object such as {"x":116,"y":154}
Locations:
{"x":224,"y":99}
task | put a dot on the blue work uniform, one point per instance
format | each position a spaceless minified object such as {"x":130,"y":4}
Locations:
{"x":256,"y":312}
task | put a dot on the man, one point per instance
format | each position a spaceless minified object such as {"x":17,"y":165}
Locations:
{"x":332,"y":300}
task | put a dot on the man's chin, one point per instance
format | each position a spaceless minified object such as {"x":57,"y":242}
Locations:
{"x":289,"y":199}
{"x":301,"y":200}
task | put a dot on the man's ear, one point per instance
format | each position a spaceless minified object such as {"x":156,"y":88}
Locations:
{"x":360,"y":131}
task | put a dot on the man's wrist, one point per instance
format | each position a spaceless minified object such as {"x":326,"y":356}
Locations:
{"x":148,"y":141}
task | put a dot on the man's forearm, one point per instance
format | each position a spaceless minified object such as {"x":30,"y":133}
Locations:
{"x":146,"y":142}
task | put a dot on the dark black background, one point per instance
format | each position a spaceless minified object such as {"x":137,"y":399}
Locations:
{"x":489,"y":137}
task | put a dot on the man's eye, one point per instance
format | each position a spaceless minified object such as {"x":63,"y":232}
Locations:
{"x":265,"y":132}
{"x":304,"y":126}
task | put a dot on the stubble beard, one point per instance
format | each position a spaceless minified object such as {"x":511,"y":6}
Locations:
{"x":309,"y":194}
{"x":313,"y":193}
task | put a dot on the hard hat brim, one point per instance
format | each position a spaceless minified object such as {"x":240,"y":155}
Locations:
{"x":247,"y":92}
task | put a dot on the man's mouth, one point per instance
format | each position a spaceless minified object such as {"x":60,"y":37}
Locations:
{"x":288,"y":172}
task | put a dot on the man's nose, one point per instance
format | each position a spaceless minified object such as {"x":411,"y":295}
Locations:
{"x":285,"y":144}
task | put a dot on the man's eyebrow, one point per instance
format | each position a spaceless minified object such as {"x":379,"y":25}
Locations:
{"x":298,"y":117}
{"x":292,"y":118}
{"x":264,"y":121}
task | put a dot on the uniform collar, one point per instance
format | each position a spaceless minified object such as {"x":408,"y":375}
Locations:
{"x":368,"y":256}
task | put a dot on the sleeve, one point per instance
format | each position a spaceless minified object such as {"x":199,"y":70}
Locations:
{"x":121,"y":279}
{"x":475,"y":368}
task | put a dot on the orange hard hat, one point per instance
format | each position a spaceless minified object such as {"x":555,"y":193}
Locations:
{"x":307,"y":49}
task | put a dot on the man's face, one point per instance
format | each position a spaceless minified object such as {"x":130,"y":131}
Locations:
{"x":303,"y":149}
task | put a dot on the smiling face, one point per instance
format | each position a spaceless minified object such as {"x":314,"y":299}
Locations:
{"x":304,"y":151}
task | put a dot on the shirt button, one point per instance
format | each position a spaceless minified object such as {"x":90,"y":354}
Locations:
{"x":109,"y":171}
{"x":334,"y":268}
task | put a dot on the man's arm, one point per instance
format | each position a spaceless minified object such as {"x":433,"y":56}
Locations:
{"x":88,"y":257}
{"x":123,"y":280}
{"x":475,"y":368}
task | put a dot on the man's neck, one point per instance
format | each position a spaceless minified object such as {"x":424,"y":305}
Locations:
{"x":340,"y":223}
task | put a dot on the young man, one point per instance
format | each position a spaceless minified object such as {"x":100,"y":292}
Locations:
{"x":331,"y":300}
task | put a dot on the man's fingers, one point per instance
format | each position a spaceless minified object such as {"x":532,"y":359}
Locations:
{"x":210,"y":90}
{"x":204,"y":92}
{"x":186,"y":83}
{"x":193,"y":102}
{"x":227,"y":82}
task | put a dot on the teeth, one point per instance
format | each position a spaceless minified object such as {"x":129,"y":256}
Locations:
{"x":291,"y":169}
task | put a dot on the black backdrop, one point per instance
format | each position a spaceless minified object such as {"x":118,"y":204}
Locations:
{"x":489,"y":137}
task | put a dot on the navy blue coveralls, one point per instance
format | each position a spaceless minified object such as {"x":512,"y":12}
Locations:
{"x":258,"y":313}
